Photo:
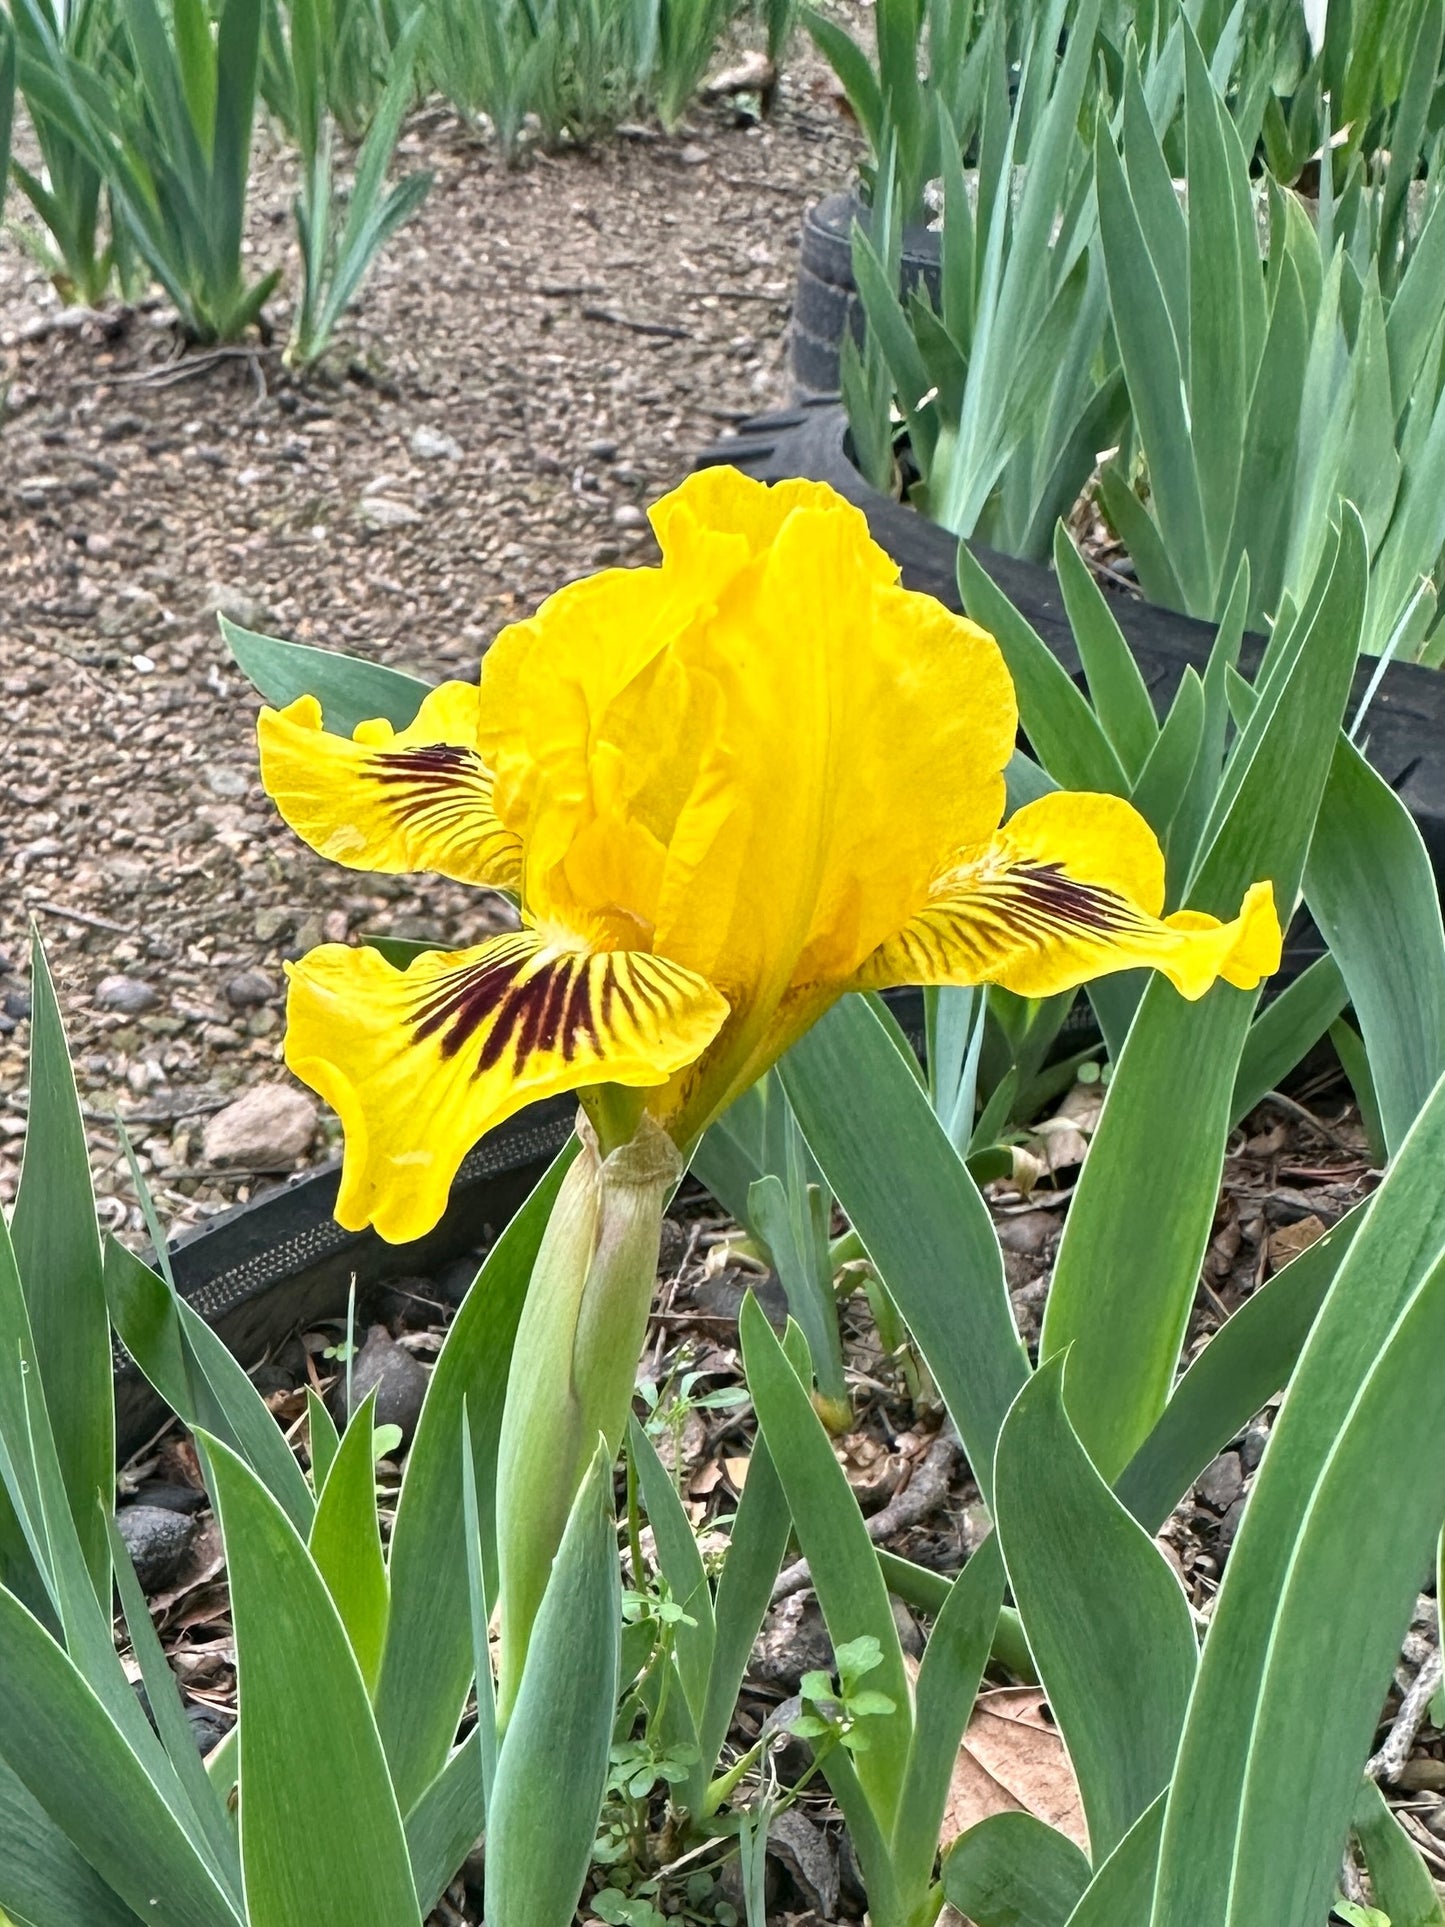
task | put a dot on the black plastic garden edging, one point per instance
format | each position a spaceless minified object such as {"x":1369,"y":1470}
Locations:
{"x":258,"y":1273}
{"x":266,"y":1269}
{"x":1404,"y":736}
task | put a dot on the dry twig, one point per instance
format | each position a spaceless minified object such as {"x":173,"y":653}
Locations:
{"x":85,"y":917}
{"x":668,"y":330}
{"x":922,"y":1493}
{"x":1389,"y":1762}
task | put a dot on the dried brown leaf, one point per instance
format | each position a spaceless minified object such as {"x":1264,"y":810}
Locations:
{"x":1013,"y":1760}
{"x":1289,"y":1240}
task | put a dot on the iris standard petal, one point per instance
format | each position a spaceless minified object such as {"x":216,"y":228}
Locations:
{"x":418,"y":798}
{"x":419,"y":1063}
{"x":1068,"y":890}
{"x":720,"y":513}
{"x":865,"y":731}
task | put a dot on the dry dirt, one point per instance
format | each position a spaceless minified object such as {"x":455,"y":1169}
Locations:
{"x":535,"y":359}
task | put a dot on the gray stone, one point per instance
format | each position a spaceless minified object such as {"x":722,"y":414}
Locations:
{"x":209,"y":1725}
{"x":126,"y":994}
{"x":1221,"y":1483}
{"x":172,"y":1498}
{"x":1229,"y":1525}
{"x":692,"y":155}
{"x":128,"y":612}
{"x":385,"y":512}
{"x":157,"y":1540}
{"x":629,"y":516}
{"x":270,"y":924}
{"x":1029,"y":1231}
{"x":223,"y":780}
{"x":237,"y":605}
{"x":248,"y":989}
{"x":399,"y":1380}
{"x":428,"y":446}
{"x":454,"y":1280}
{"x":266,"y":1130}
{"x":1251,"y":1448}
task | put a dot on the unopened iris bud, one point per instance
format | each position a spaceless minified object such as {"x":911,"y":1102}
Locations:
{"x":575,"y":1359}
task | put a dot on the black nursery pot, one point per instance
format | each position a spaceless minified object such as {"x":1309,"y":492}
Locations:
{"x":826,"y":306}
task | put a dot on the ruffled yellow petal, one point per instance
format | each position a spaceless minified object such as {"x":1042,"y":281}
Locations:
{"x":1068,"y":890}
{"x":719,"y":519}
{"x":545,"y":681}
{"x":419,"y":1063}
{"x":419,"y":798}
{"x":753,"y":759}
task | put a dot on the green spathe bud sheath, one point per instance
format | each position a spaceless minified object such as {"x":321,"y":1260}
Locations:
{"x":575,"y":1360}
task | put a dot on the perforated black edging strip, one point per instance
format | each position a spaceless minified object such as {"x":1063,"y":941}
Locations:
{"x":1404,"y":735}
{"x":258,"y":1272}
{"x":261,"y":1271}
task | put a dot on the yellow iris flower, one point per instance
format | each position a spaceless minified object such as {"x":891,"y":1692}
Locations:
{"x":725,"y":791}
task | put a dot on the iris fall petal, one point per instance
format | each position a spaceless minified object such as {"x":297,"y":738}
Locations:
{"x":1070,"y":889}
{"x":397,"y":801}
{"x":419,"y":1063}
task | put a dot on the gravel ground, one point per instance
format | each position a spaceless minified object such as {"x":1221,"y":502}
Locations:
{"x":535,"y":359}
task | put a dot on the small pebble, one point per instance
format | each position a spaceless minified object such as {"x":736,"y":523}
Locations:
{"x":172,"y":1498}
{"x":266,"y":1130}
{"x":249,"y":988}
{"x":628,"y":516}
{"x":126,"y":994}
{"x":1222,"y":1483}
{"x":1229,"y":1525}
{"x":428,"y":446}
{"x":399,"y":1379}
{"x":209,"y":1725}
{"x":238,"y":605}
{"x":453,"y":1281}
{"x":157,"y":1540}
{"x":223,"y":780}
{"x":270,"y":924}
{"x":384,"y":512}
